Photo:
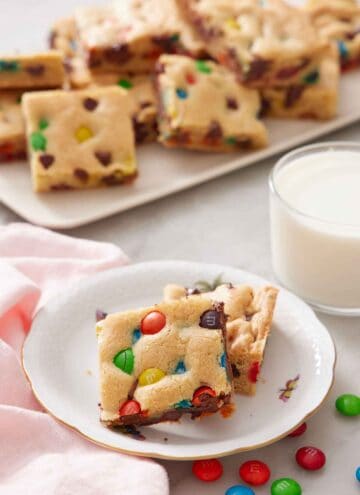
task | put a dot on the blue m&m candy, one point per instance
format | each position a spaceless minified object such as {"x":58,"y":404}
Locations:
{"x":357,"y":474}
{"x":239,"y":490}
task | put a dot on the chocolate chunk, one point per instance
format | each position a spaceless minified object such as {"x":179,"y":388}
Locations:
{"x":61,"y":186}
{"x":214,"y":133}
{"x":192,"y":292}
{"x":353,"y":34}
{"x":132,"y":389}
{"x":100,"y":315}
{"x":293,"y":94}
{"x":46,"y":160}
{"x":112,"y":180}
{"x":81,"y":174}
{"x":118,"y":54}
{"x":265,"y":107}
{"x":257,"y":69}
{"x":140,"y":130}
{"x":211,"y":319}
{"x":145,"y":104}
{"x":166,"y":43}
{"x":35,"y":70}
{"x":104,"y":157}
{"x":287,"y":72}
{"x":235,"y":371}
{"x":248,"y":317}
{"x":232,"y":104}
{"x":90,"y":104}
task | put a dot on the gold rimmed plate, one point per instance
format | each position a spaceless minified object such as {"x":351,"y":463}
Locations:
{"x":60,"y":360}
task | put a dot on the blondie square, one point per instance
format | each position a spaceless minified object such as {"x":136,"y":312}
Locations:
{"x":315,"y":100}
{"x":202,"y":106}
{"x":79,"y":139}
{"x":249,"y":316}
{"x":12,"y":127}
{"x":129,"y":35}
{"x":265,"y":43}
{"x":339,"y":21}
{"x":161,"y":362}
{"x":41,"y":70}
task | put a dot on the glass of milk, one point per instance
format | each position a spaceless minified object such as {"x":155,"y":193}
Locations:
{"x":315,"y":225}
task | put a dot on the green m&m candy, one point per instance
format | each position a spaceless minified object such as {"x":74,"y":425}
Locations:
{"x":348,"y":405}
{"x":38,"y":141}
{"x":124,"y":360}
{"x":285,"y":486}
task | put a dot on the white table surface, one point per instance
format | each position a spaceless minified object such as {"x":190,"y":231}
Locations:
{"x":224,"y":221}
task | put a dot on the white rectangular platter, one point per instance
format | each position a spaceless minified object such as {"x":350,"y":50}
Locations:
{"x":163,"y":171}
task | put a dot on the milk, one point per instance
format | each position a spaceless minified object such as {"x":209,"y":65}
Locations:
{"x":315,"y":225}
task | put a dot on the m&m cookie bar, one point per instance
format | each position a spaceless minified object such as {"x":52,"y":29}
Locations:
{"x":339,"y":21}
{"x":202,"y":106}
{"x":265,"y":43}
{"x":12,"y":128}
{"x":79,"y":139}
{"x":317,"y":99}
{"x":129,"y":35}
{"x":159,"y":363}
{"x":249,"y":316}
{"x":43,"y":70}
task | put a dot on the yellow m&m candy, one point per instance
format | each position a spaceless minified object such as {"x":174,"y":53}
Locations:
{"x":150,"y":376}
{"x":83,"y":134}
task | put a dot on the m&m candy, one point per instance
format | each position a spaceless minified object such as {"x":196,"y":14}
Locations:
{"x":357,"y":474}
{"x":208,"y":470}
{"x":130,"y":407}
{"x":285,"y":486}
{"x":201,"y":394}
{"x":348,"y":405}
{"x":150,"y":376}
{"x":239,"y":490}
{"x":254,"y":473}
{"x":298,"y":431}
{"x":124,"y":360}
{"x":310,"y":458}
{"x":153,"y":323}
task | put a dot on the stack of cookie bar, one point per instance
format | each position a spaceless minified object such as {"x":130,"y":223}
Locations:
{"x":197,"y":74}
{"x":185,"y":355}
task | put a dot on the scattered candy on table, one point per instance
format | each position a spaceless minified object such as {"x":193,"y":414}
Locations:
{"x":254,"y":473}
{"x":348,"y":405}
{"x":310,"y":458}
{"x":208,"y":470}
{"x":285,"y":486}
{"x":298,"y":431}
{"x":357,"y":474}
{"x":239,"y":490}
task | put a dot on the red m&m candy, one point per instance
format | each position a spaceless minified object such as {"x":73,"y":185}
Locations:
{"x":208,"y":470}
{"x":130,"y":407}
{"x":253,"y":372}
{"x":254,"y":473}
{"x":310,"y":458}
{"x":153,"y":322}
{"x":300,"y":430}
{"x":201,"y":394}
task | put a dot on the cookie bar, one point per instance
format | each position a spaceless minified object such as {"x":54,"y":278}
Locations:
{"x":339,"y":21}
{"x":79,"y":139}
{"x":202,"y":106}
{"x":318,"y":100}
{"x":161,"y":362}
{"x":12,"y":128}
{"x":42,"y":70}
{"x":63,"y":37}
{"x":129,"y":35}
{"x":249,"y":316}
{"x":140,"y":88}
{"x":265,"y":43}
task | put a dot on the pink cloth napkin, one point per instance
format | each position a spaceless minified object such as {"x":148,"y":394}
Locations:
{"x":38,"y":455}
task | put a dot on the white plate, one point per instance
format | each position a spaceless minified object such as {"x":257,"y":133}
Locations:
{"x":162,"y":171}
{"x":60,"y":359}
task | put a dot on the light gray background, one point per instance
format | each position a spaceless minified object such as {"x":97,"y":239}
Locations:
{"x":224,"y":221}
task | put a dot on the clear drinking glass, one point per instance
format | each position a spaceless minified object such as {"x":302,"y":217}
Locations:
{"x":317,"y":259}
